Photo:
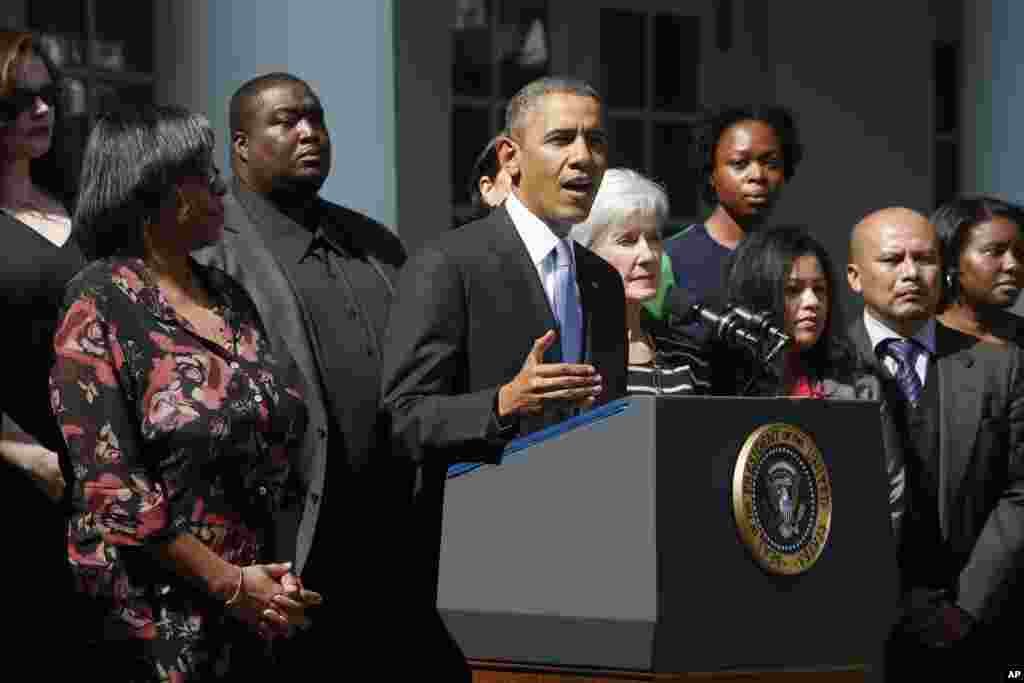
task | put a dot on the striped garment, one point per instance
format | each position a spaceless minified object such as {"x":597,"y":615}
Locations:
{"x":658,"y":380}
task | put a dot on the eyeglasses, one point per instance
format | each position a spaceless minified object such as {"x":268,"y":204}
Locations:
{"x":23,"y":99}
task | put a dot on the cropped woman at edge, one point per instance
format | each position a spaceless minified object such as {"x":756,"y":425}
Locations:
{"x":39,"y":260}
{"x":983,"y":252}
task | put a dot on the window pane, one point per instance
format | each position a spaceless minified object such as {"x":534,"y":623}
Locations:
{"x":523,"y":48}
{"x":471,"y":131}
{"x":676,"y":62}
{"x":623,"y":46}
{"x":626,"y":143}
{"x":124,"y":36}
{"x":671,"y":167}
{"x":57,"y":16}
{"x":471,"y":48}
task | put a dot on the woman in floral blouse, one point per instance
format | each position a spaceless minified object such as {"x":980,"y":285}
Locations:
{"x":179,"y":413}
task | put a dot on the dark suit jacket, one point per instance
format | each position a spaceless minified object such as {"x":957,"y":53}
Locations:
{"x":262,"y":255}
{"x":467,"y":311}
{"x":1009,"y":326}
{"x":981,"y":461}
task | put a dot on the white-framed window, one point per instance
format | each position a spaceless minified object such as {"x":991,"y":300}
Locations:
{"x":646,"y":57}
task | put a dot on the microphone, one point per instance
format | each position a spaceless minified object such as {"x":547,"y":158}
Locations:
{"x":762,"y":322}
{"x":734,"y":325}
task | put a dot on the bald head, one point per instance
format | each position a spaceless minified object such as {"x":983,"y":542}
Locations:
{"x":874,"y":223}
{"x":895,"y":265}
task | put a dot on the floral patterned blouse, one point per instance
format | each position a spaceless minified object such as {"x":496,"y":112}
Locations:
{"x":168,"y":433}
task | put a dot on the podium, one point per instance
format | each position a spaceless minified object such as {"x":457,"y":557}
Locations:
{"x":609,"y":550}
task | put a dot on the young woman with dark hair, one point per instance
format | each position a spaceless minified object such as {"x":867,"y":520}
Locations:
{"x":983,"y":254}
{"x":788,"y":273}
{"x":743,"y":156}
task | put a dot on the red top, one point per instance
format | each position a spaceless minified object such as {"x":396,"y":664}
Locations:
{"x":803,"y":385}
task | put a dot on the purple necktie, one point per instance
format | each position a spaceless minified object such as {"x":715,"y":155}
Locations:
{"x":567,"y":308}
{"x":904,"y":352}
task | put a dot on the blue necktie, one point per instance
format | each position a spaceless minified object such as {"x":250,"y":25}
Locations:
{"x":567,"y":308}
{"x":904,"y":352}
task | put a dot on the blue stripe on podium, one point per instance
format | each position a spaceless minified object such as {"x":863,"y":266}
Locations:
{"x":516,"y":446}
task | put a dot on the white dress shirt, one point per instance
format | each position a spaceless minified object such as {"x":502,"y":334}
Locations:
{"x":879,"y":332}
{"x":540,"y":243}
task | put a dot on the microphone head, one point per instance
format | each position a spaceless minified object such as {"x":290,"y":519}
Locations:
{"x":686,"y":309}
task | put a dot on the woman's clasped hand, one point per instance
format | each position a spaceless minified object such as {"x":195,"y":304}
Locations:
{"x":272,"y":600}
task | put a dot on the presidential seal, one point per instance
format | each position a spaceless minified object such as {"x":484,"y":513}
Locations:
{"x":782,"y":498}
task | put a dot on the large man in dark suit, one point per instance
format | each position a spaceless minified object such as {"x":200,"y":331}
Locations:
{"x":956,"y":407}
{"x":473,"y":358}
{"x":321,"y":276}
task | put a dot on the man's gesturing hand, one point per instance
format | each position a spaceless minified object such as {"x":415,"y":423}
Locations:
{"x":538,"y":383}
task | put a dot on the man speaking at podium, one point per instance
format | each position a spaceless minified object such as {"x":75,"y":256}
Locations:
{"x":958,"y":408}
{"x":505,"y":325}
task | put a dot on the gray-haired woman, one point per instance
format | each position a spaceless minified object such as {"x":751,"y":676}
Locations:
{"x":624,"y":228}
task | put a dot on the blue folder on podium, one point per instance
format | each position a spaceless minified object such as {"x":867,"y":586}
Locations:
{"x":522,"y":443}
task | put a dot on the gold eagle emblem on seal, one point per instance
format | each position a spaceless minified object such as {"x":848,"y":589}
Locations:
{"x":782,"y":498}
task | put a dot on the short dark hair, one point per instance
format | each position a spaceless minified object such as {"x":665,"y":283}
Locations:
{"x":133,"y":159}
{"x":240,"y":105}
{"x":54,"y":172}
{"x":526,"y":99}
{"x":486,"y":164}
{"x":756,"y":278}
{"x":954,"y":219}
{"x":709,"y":131}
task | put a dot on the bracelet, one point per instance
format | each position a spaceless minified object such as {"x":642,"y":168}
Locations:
{"x":234,"y":599}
